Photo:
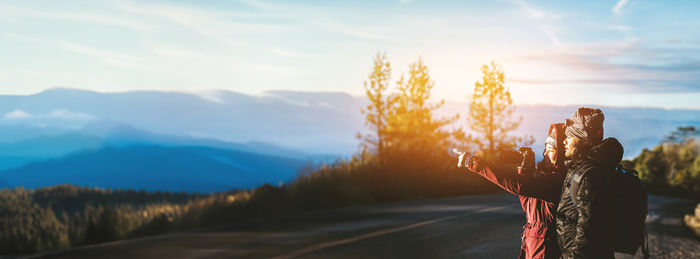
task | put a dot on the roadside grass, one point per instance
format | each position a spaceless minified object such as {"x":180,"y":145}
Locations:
{"x":65,"y":216}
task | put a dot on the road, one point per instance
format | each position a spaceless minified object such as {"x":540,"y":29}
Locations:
{"x":486,"y":226}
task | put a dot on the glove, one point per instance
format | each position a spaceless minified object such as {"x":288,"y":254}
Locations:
{"x":463,"y":157}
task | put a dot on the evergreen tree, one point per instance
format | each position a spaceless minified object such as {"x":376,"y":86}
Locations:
{"x":412,"y":132}
{"x":379,"y":104}
{"x":490,"y":113}
{"x":681,"y":134}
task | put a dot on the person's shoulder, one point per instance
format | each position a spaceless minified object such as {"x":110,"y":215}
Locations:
{"x":587,"y":167}
{"x":593,"y":174}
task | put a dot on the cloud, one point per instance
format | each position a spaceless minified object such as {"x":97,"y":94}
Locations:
{"x":212,"y":96}
{"x":99,"y":19}
{"x":95,"y":18}
{"x":18,"y":37}
{"x":17,"y":114}
{"x":354,"y":31}
{"x":536,"y":13}
{"x":262,"y":4}
{"x":545,"y":19}
{"x":533,"y":12}
{"x":196,"y":21}
{"x":617,"y":9}
{"x":60,"y":114}
{"x":215,"y":24}
{"x":322,"y":18}
{"x":285,"y":53}
{"x":68,"y":115}
{"x":268,"y":69}
{"x":550,"y":31}
{"x":176,"y":52}
{"x":626,"y":63}
{"x":108,"y":57}
{"x":632,"y":85}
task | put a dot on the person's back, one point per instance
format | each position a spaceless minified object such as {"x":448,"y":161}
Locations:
{"x":583,"y":214}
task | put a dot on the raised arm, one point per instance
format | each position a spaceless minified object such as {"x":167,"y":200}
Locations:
{"x":542,"y":186}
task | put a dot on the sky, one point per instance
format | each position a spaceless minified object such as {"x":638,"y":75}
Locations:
{"x":615,"y":53}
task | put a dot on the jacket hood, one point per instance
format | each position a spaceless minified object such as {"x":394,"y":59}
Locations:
{"x":608,"y":153}
{"x":555,"y":137}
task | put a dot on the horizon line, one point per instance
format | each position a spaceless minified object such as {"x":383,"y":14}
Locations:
{"x":266,"y":92}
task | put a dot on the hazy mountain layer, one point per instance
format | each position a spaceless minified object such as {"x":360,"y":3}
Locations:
{"x":194,"y":169}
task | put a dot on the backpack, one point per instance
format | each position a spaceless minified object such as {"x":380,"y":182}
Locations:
{"x":630,"y":210}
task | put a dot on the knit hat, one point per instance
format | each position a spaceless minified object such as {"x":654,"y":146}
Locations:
{"x":586,"y":124}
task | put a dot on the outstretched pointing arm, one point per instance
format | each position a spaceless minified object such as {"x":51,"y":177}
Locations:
{"x":506,"y":176}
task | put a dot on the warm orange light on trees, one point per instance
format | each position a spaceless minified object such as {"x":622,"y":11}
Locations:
{"x":376,"y":111}
{"x":490,"y":113}
{"x":403,"y":129}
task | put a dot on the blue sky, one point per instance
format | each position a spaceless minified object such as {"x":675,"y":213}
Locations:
{"x":619,"y":53}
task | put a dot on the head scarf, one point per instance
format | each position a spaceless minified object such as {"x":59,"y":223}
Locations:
{"x":586,"y":124}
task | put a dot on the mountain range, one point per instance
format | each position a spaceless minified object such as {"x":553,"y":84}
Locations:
{"x":182,"y":168}
{"x":217,"y":140}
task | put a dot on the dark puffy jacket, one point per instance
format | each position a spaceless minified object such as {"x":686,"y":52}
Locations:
{"x":583,"y":215}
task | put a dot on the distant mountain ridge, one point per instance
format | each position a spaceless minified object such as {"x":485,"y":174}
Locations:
{"x":102,"y":135}
{"x":59,"y":126}
{"x":192,"y":169}
{"x":312,"y":122}
{"x":281,"y":118}
{"x":113,"y":155}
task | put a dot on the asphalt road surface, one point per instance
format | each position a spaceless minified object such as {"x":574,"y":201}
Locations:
{"x":486,"y":226}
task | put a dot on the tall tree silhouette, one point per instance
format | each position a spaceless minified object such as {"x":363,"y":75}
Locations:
{"x":490,"y":113}
{"x":379,"y":104}
{"x":411,"y":128}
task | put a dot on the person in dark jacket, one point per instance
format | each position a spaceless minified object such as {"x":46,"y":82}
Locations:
{"x":538,"y":190}
{"x":583,"y":215}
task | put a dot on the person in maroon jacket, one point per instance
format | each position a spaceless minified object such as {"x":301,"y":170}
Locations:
{"x":539,"y":190}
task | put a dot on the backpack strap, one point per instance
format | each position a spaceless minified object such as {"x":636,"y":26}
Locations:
{"x":575,"y":184}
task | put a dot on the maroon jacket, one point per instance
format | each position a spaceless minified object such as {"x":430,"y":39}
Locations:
{"x":539,"y":193}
